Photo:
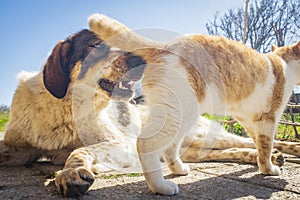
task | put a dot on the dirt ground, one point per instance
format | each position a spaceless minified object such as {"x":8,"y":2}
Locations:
{"x":211,"y":180}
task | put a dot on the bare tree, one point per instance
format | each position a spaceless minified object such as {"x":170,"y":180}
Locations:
{"x":295,"y":5}
{"x":268,"y":22}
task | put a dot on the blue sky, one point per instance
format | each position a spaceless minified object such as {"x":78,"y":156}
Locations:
{"x":31,"y":28}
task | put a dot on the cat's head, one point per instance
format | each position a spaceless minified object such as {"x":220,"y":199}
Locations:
{"x":290,"y":54}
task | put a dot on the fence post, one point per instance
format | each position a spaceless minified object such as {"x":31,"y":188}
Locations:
{"x":292,"y":114}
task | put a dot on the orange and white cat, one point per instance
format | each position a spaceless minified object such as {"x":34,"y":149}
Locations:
{"x":198,"y":74}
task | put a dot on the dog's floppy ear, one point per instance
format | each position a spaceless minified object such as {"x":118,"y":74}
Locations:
{"x":55,"y":74}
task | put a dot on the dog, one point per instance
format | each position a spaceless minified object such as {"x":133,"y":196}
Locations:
{"x":85,"y":110}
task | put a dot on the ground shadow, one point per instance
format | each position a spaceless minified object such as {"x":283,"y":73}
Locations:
{"x":29,"y":183}
{"x":227,"y":186}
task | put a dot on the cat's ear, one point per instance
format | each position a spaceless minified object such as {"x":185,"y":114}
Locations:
{"x":55,"y":76}
{"x":273,"y":47}
{"x":296,"y":48}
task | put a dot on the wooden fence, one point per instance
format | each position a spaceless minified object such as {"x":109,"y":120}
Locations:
{"x":292,"y":112}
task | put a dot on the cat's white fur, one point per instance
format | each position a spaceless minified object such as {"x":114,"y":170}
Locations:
{"x":197,"y":74}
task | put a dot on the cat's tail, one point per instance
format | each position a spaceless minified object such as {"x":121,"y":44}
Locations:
{"x":117,"y":34}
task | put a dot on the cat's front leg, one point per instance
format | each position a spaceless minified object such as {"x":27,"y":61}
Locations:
{"x":262,"y":132}
{"x":264,"y":145}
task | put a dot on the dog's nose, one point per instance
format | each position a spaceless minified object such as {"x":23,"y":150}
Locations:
{"x":133,"y":61}
{"x":135,"y":65}
{"x":138,"y":89}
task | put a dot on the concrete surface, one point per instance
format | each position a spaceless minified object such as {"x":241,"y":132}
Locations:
{"x":206,"y":181}
{"x":211,"y":180}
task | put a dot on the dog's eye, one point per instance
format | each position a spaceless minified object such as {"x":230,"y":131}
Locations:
{"x":97,"y":45}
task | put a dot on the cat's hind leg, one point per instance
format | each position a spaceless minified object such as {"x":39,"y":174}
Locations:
{"x":163,"y":135}
{"x":150,"y":161}
{"x":173,"y":160}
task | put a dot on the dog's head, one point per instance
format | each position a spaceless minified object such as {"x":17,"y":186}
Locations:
{"x":85,"y":59}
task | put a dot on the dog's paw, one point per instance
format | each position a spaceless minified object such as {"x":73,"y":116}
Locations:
{"x":165,"y":187}
{"x":277,"y":158}
{"x":74,"y":182}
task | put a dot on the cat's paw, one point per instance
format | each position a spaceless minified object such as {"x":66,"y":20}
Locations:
{"x":165,"y":187}
{"x":272,"y":170}
{"x":275,"y":170}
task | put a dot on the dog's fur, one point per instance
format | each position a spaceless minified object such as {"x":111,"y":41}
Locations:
{"x":64,"y":114}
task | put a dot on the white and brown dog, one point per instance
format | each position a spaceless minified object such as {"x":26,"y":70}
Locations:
{"x":80,"y":110}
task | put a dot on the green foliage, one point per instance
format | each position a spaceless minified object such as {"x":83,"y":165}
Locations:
{"x":236,"y":128}
{"x":288,"y":117}
{"x":52,"y":175}
{"x":216,"y":117}
{"x":133,"y":174}
{"x":113,"y":176}
{"x":4,"y":116}
{"x":284,"y":132}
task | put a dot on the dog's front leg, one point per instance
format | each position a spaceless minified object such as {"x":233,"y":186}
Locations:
{"x":79,"y":171}
{"x":76,"y":177}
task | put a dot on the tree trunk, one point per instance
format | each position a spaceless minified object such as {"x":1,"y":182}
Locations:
{"x":245,"y":21}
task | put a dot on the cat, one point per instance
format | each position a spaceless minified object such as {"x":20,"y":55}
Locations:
{"x":198,"y":74}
